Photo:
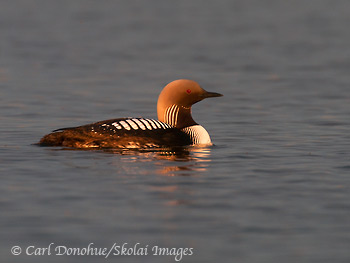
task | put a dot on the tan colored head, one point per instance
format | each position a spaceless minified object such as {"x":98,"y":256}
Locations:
{"x":175,"y":101}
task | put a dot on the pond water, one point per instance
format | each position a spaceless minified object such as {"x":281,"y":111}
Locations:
{"x":273,"y":188}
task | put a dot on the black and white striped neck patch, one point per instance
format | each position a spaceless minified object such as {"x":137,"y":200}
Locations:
{"x":198,"y":134}
{"x":171,"y":114}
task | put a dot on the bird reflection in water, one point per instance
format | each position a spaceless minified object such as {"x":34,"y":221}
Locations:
{"x":175,"y":161}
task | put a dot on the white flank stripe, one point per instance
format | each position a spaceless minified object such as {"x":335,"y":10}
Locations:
{"x":152,"y":123}
{"x":164,"y":125}
{"x":116,"y":124}
{"x":125,"y":125}
{"x":140,"y":124}
{"x":146,"y":123}
{"x":157,"y":123}
{"x":133,"y":124}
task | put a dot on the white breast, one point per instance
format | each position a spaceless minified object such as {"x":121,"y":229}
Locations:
{"x":198,"y":134}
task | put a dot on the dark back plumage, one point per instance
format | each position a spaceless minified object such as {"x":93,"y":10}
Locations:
{"x":118,"y":133}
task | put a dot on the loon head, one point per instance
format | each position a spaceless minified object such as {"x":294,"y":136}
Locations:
{"x":176,"y":99}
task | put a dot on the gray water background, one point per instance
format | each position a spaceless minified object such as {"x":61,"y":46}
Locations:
{"x":274,"y":188}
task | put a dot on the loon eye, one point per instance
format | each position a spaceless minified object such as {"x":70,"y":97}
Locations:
{"x":188,"y":91}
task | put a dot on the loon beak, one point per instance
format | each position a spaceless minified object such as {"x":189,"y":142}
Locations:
{"x":209,"y":94}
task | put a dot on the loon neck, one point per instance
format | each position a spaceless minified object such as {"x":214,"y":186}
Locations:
{"x":176,"y":116}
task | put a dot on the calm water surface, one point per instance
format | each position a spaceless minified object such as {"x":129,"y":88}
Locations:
{"x":274,"y":188}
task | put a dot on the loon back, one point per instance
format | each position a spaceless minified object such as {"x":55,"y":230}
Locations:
{"x":119,"y":133}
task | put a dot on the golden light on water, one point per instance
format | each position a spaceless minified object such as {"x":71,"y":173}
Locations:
{"x":169,"y":162}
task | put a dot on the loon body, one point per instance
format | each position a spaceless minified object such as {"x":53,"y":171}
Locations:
{"x":174,"y":127}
